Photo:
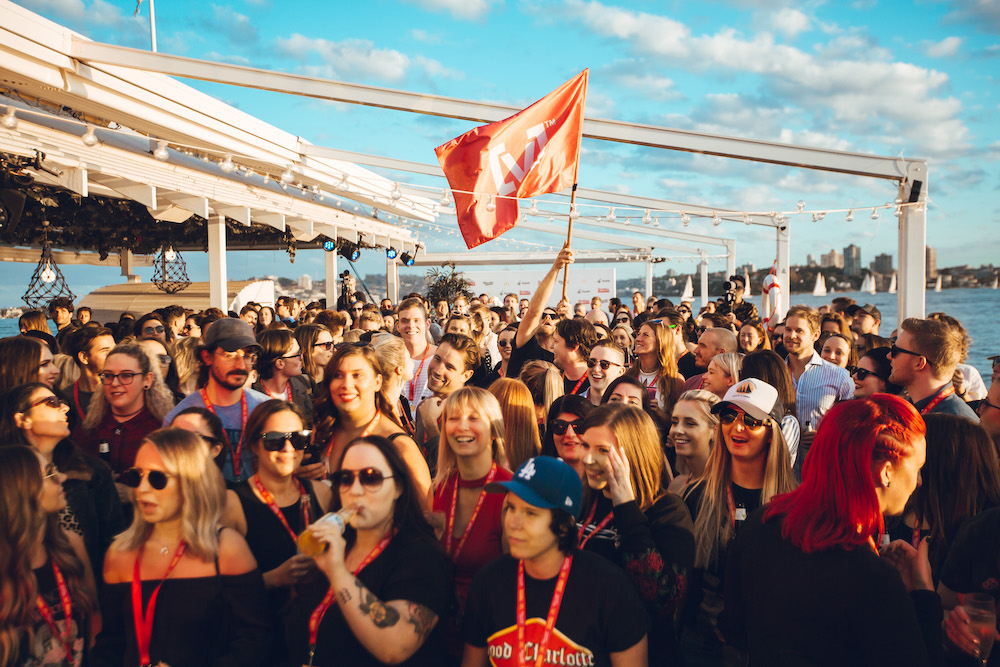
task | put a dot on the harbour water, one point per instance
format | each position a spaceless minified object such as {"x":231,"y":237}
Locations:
{"x":976,"y":308}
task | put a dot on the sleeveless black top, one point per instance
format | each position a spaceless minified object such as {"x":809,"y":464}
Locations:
{"x":268,"y":540}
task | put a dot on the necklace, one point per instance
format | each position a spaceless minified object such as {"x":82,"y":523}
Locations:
{"x":128,"y":416}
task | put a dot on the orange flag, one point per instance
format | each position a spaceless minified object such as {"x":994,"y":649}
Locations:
{"x":533,"y":152}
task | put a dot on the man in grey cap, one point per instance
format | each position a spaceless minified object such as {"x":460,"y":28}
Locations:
{"x":227,"y":358}
{"x":867,"y":319}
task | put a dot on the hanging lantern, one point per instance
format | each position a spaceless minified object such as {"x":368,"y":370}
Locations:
{"x":47,"y":281}
{"x":170,"y":270}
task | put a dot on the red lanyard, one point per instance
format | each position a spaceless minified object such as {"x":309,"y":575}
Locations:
{"x":945,"y":393}
{"x":576,"y":387}
{"x":273,"y":505}
{"x":144,"y":626}
{"x":317,"y":616}
{"x":915,"y":536}
{"x":593,"y":510}
{"x":651,"y":387}
{"x":236,"y":453}
{"x":550,"y":621}
{"x":65,"y":638}
{"x":364,"y":434}
{"x":76,"y":400}
{"x":452,"y":548}
{"x":420,"y":368}
{"x":288,"y":392}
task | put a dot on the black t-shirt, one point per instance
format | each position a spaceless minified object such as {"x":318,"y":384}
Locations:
{"x":527,"y":352}
{"x":413,"y":568}
{"x":581,"y":385}
{"x":973,"y":565}
{"x":600,"y":613}
{"x":687,"y":367}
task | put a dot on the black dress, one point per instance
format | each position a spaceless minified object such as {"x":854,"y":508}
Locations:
{"x":215,"y":621}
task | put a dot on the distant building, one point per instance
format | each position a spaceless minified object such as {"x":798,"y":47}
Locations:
{"x":832,"y":260}
{"x":852,"y":260}
{"x":810,"y":260}
{"x":930,"y":262}
{"x":305,"y":281}
{"x":882,"y":264}
{"x":747,"y":269}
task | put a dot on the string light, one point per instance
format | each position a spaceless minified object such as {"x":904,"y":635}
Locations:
{"x":227,"y":165}
{"x":874,"y":215}
{"x":344,"y":185}
{"x":9,"y":119}
{"x":395,"y":194}
{"x":534,"y":208}
{"x":161,"y":153}
{"x":574,"y":213}
{"x":646,"y":217}
{"x":89,"y":138}
{"x":445,"y":198}
{"x":287,"y":176}
{"x":801,"y":204}
{"x":490,"y":205}
{"x":715,"y":219}
{"x":685,"y":219}
{"x":850,"y":215}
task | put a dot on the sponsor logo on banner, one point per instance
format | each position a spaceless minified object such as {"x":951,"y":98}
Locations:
{"x":561,"y":652}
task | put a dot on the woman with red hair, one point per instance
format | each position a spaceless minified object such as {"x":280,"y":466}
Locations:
{"x":805,"y":583}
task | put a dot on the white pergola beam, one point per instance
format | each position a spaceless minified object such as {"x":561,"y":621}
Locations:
{"x":240,"y":214}
{"x":514,"y":259}
{"x":486,"y":112}
{"x":603,"y":238}
{"x":197,"y":205}
{"x":217,"y":274}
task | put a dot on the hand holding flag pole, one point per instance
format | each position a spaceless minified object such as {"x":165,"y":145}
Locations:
{"x":569,"y":237}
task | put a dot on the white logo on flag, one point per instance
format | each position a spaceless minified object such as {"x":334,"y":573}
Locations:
{"x":527,"y":470}
{"x":497,"y":155}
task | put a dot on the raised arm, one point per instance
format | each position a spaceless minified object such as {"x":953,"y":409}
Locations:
{"x":533,"y":316}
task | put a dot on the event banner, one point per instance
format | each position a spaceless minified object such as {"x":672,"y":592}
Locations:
{"x":584,"y":282}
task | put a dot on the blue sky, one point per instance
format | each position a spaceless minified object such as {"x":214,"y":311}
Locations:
{"x":916,"y":79}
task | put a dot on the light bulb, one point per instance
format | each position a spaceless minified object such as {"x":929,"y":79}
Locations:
{"x":685,"y":219}
{"x":343,"y":185}
{"x":746,"y":219}
{"x":611,"y":217}
{"x":9,"y":119}
{"x":490,"y":205}
{"x":48,"y":275}
{"x":656,"y":222}
{"x":814,"y":218}
{"x":287,"y":176}
{"x":395,"y":194}
{"x":534,"y":208}
{"x":161,"y":153}
{"x":445,"y":198}
{"x":227,"y":165}
{"x":169,"y":254}
{"x":874,"y":214}
{"x":899,"y":211}
{"x":646,"y":217}
{"x":850,"y":215}
{"x":715,"y":219}
{"x":573,"y":213}
{"x":801,"y":204}
{"x":89,"y":138}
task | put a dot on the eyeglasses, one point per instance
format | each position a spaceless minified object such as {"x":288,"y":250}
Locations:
{"x":328,"y":345}
{"x":274,"y":441}
{"x":605,"y":364}
{"x":149,"y":331}
{"x":53,"y":402}
{"x":132,"y":477}
{"x":560,"y":426}
{"x":504,"y":342}
{"x":125,"y":377}
{"x":50,"y":471}
{"x":862,"y":373}
{"x":292,"y":356}
{"x":896,"y":350}
{"x":371,"y":478}
{"x":190,"y":327}
{"x":728,"y":416}
{"x":986,"y":404}
{"x":231,"y":357}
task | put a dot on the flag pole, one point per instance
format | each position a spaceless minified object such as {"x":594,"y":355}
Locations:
{"x":569,"y":236}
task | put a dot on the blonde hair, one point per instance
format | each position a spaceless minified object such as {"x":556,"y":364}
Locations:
{"x":200,"y":485}
{"x":158,"y":399}
{"x":543,"y":381}
{"x":639,"y":441}
{"x":390,"y":353}
{"x":729,"y":363}
{"x":480,"y":317}
{"x":485,"y":405}
{"x":668,"y":386}
{"x":186,"y":361}
{"x":713,"y":526}
{"x":520,"y":423}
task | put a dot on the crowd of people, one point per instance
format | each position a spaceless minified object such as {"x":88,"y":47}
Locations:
{"x":494,"y":480}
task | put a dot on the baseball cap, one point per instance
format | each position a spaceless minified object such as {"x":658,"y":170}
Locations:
{"x":755,"y":397}
{"x":546,"y":482}
{"x":231,"y":334}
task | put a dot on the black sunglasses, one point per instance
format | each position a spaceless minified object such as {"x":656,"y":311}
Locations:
{"x":328,"y":345}
{"x":550,"y":316}
{"x":151,"y":330}
{"x":274,"y":441}
{"x":560,"y":426}
{"x":53,"y":402}
{"x":896,"y":350}
{"x":504,"y":342}
{"x":371,"y":478}
{"x":728,"y":416}
{"x":132,"y":477}
{"x":605,"y":364}
{"x":862,"y":373}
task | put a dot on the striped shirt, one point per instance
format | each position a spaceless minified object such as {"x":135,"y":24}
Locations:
{"x":820,"y":386}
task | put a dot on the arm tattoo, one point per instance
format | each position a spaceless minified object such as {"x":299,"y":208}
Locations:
{"x":422,"y":619}
{"x":381,"y":614}
{"x":344,"y":595}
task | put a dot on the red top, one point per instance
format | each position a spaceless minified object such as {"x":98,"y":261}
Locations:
{"x":124,"y":438}
{"x":484,"y":541}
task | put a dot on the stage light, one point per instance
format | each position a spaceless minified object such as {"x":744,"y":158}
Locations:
{"x":406,"y":258}
{"x":390,"y":253}
{"x":329,"y":245}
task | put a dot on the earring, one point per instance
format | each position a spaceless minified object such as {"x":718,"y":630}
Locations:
{"x":888,"y":484}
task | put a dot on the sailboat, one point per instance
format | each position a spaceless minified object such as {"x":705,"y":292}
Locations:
{"x":820,"y":288}
{"x":746,"y":281}
{"x":892,"y":284}
{"x":868,"y":284}
{"x":937,"y":285}
{"x":996,"y":282}
{"x":688,"y":294}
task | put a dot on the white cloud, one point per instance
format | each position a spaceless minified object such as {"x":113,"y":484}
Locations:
{"x":657,"y":88}
{"x":946,"y":48}
{"x":436,"y":69}
{"x":460,"y":9}
{"x":99,"y":14}
{"x":790,"y":22}
{"x":237,"y":27}
{"x":425,"y":37}
{"x":984,"y":14}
